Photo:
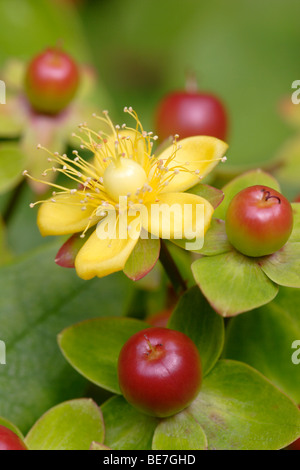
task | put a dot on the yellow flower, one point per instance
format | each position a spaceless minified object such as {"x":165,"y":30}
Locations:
{"x":122,"y":184}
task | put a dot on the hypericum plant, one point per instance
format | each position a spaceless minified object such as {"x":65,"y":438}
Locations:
{"x":123,"y":182}
{"x":253,"y":412}
{"x":237,"y":278}
{"x":42,"y":107}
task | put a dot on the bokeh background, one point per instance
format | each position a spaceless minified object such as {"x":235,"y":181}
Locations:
{"x":246,"y":52}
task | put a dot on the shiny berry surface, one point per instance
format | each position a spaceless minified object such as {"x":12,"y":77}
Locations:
{"x":51,"y":81}
{"x":9,"y":440}
{"x":191,"y":113}
{"x":259,"y":221}
{"x":159,"y":371}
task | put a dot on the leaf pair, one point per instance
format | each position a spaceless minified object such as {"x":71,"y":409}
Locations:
{"x":73,"y":425}
{"x":237,"y":408}
{"x":234,"y":283}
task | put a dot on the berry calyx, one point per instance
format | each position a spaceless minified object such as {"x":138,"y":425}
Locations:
{"x":159,"y":371}
{"x":9,"y":440}
{"x":51,"y":81}
{"x":259,"y":221}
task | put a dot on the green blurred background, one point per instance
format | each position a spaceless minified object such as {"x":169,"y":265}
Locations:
{"x":244,"y":51}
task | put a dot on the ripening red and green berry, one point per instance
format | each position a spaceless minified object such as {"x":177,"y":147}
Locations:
{"x":259,"y":221}
{"x":51,"y":81}
{"x":9,"y":440}
{"x":159,"y":371}
{"x":190,"y":113}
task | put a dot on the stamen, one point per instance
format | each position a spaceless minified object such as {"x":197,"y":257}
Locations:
{"x":107,"y":147}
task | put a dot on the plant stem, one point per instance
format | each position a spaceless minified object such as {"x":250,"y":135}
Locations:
{"x":12,"y":202}
{"x":171,"y":269}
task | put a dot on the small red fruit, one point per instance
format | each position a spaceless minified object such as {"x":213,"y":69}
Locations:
{"x":9,"y":440}
{"x":296,"y":444}
{"x":159,"y":371}
{"x":189,"y":113}
{"x":51,"y":81}
{"x":259,"y":221}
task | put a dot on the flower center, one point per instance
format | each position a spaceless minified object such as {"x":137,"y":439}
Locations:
{"x":123,"y":177}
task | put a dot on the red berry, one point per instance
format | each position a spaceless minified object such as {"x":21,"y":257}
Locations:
{"x":159,"y":371}
{"x":259,"y":221}
{"x":191,"y":113}
{"x":51,"y":81}
{"x":9,"y":440}
{"x":296,"y":444}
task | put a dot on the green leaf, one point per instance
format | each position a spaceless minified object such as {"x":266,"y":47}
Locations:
{"x":215,"y":240}
{"x":283,"y":267}
{"x":11,"y":426}
{"x":12,"y":118}
{"x":233,"y":283}
{"x":180,"y":432}
{"x":183,"y":260}
{"x":97,"y":446}
{"x":12,"y":163}
{"x":295,"y":236}
{"x":143,"y":258}
{"x":92,"y":347}
{"x":239,"y":409}
{"x":263,"y":339}
{"x":38,"y":300}
{"x":195,"y":317}
{"x":250,"y":178}
{"x":125,"y":427}
{"x":72,"y":425}
{"x":12,"y":73}
{"x":213,"y":195}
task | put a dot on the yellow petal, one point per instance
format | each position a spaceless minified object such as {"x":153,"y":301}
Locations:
{"x":197,"y":154}
{"x":103,"y":256}
{"x":178,"y":216}
{"x":64,"y":216}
